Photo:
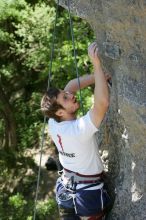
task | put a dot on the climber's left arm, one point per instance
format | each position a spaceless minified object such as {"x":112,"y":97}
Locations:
{"x":85,"y":80}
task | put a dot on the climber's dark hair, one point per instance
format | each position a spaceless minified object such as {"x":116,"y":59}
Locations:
{"x":49,"y":105}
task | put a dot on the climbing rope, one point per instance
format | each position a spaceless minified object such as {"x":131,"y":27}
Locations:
{"x":75,"y":57}
{"x":49,"y":85}
{"x":45,"y":119}
{"x":39,"y":171}
{"x":52,"y":47}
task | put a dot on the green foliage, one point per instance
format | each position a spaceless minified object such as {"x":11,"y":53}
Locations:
{"x":32,"y":35}
{"x":87,"y":101}
{"x":48,"y":208}
{"x":1,"y":128}
{"x":28,"y":114}
{"x":17,"y":207}
{"x":26,"y":32}
{"x":17,"y":201}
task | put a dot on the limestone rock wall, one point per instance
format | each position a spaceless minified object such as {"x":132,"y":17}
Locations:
{"x":120,"y":30}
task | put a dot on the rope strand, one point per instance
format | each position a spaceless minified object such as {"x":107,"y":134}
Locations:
{"x":45,"y":119}
{"x":49,"y":84}
{"x":39,"y":171}
{"x":52,"y":47}
{"x":75,"y":57}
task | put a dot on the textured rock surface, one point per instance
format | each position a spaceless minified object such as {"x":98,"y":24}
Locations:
{"x":120,"y":29}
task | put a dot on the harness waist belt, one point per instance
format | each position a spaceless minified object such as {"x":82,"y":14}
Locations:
{"x":82,"y":175}
{"x":80,"y":178}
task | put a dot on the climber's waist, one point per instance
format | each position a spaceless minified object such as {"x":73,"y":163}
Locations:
{"x":81,"y":178}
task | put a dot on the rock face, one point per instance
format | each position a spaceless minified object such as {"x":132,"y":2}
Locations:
{"x":120,"y":30}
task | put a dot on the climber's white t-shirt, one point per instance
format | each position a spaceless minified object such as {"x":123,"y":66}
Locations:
{"x":77,"y":146}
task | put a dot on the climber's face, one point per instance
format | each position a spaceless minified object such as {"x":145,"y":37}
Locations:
{"x":69,"y":104}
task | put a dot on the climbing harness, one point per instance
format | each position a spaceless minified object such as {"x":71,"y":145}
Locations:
{"x":81,"y":199}
{"x":80,"y":178}
{"x":72,"y":187}
{"x":49,"y":85}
